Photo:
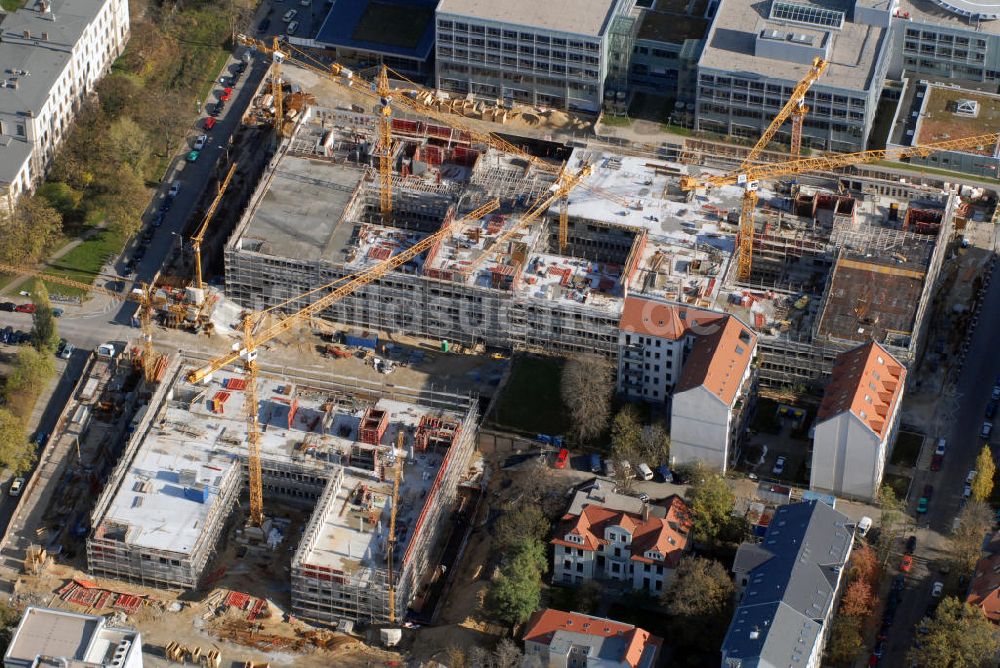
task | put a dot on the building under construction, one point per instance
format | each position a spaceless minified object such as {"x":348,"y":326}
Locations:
{"x":329,"y":445}
{"x":836,"y":259}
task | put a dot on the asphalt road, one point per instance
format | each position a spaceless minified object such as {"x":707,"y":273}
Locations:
{"x":963,"y":418}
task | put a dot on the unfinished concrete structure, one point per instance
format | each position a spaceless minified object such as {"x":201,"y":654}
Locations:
{"x":329,"y":444}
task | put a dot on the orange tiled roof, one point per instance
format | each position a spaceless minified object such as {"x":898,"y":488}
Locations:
{"x":668,"y":535}
{"x":984,"y":590}
{"x":719,"y":360}
{"x":544,"y":624}
{"x":868,"y":382}
{"x":650,"y":317}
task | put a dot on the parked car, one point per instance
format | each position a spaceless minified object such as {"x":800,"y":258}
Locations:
{"x":966,"y":491}
{"x":289,"y":15}
{"x":906,"y":563}
{"x":292,"y":27}
{"x":937,"y":589}
{"x":911,"y":545}
{"x":40,"y":439}
{"x":995,"y":394}
{"x":642,"y":496}
{"x":987,"y":429}
{"x":562,"y":458}
{"x":264,"y":25}
{"x":7,"y":306}
{"x":25,"y":308}
{"x":209,"y":123}
{"x":928,"y":491}
{"x":192,"y":156}
{"x":8,"y":334}
{"x":199,"y":142}
{"x":57,"y":312}
{"x":16,"y":486}
{"x":936,"y":462}
{"x":942,"y":445}
{"x":922,"y":505}
{"x":991,"y":409}
{"x":61,"y":346}
{"x":67,"y":351}
{"x":175,"y":188}
{"x":779,"y":465}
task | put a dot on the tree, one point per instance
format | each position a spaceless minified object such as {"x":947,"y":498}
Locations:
{"x":889,"y":522}
{"x":31,"y":230}
{"x":515,"y":591}
{"x":626,"y":432}
{"x":586,"y":388}
{"x":44,"y":332}
{"x":123,"y":200}
{"x":129,"y":143}
{"x":16,"y":453}
{"x":588,"y":596}
{"x":699,"y":601}
{"x":858,"y":600}
{"x":507,"y":654}
{"x":974,"y":521}
{"x":958,"y":636}
{"x":9,"y":618}
{"x":654,"y":445}
{"x":525,"y":521}
{"x":711,"y":503}
{"x":864,"y":566}
{"x":30,"y":370}
{"x":63,"y":199}
{"x":845,"y":640}
{"x":116,"y":93}
{"x":982,"y":484}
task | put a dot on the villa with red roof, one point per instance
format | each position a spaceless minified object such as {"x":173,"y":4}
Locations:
{"x":702,"y":363}
{"x":606,"y":543}
{"x":571,"y":639}
{"x":857,"y":423}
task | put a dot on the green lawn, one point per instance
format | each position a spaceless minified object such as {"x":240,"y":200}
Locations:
{"x":677,"y":130}
{"x":12,"y":5}
{"x":531,"y":401}
{"x":931,"y":170}
{"x":85,"y":261}
{"x":217,"y":64}
{"x":616,"y":121}
{"x":907,"y":449}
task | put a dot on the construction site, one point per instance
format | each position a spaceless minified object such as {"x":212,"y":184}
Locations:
{"x":376,"y":473}
{"x":835,"y":260}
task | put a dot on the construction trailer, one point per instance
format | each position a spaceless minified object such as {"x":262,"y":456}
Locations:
{"x":159,"y":519}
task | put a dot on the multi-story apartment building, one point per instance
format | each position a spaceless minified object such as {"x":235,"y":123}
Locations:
{"x":755,"y":53}
{"x":553,"y":54}
{"x":790,"y":584}
{"x":606,"y":543}
{"x":950,"y":39}
{"x":857,"y":423}
{"x":557,"y":639}
{"x":52,"y":53}
{"x":668,"y":43}
{"x":702,"y":361}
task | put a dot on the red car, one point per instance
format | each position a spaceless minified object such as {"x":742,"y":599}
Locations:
{"x":227,"y":93}
{"x":562,"y":458}
{"x":936,"y":461}
{"x":209,"y":123}
{"x":25,"y":308}
{"x":906,"y":563}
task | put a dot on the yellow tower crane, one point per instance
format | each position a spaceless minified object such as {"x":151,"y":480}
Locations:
{"x":385,"y":142}
{"x":199,"y":236}
{"x":750,"y":178}
{"x":277,"y":57}
{"x":142,"y":295}
{"x":390,"y":544}
{"x":253,"y":339}
{"x":794,"y":107}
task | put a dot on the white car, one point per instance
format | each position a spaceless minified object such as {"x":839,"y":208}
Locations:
{"x":937,"y":589}
{"x":175,"y":188}
{"x":941,"y":445}
{"x":779,"y":466}
{"x":987,"y":429}
{"x":971,"y":476}
{"x":16,"y":486}
{"x":967,"y":491}
{"x":289,"y":15}
{"x":292,"y":27}
{"x":199,"y":142}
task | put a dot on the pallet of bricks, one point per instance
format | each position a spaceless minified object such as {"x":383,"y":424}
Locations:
{"x":256,"y":608}
{"x":89,"y":595}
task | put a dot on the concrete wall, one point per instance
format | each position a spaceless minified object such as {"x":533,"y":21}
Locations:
{"x":699,"y":429}
{"x":848,"y":458}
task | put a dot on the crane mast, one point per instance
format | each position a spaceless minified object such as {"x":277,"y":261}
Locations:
{"x":251,"y":408}
{"x":200,"y":234}
{"x":385,"y":141}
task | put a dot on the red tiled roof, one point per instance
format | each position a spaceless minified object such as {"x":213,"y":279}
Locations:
{"x":984,"y":590}
{"x":650,"y":317}
{"x":719,"y":360}
{"x":668,"y":535}
{"x":544,"y":624}
{"x":868,"y":382}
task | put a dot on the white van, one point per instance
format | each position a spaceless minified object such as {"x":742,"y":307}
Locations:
{"x":864,"y":525}
{"x":644,"y":472}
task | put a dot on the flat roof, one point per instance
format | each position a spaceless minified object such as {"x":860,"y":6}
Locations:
{"x":946,"y":14}
{"x":938,"y":120}
{"x":58,"y":633}
{"x":396,"y":27}
{"x":579,"y":17}
{"x":673,"y":27}
{"x":729,"y":47}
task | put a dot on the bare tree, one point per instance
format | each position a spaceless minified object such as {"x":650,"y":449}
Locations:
{"x":586,"y":388}
{"x":507,"y":654}
{"x":654,"y":445}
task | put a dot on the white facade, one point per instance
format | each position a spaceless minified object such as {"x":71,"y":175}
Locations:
{"x":650,"y":366}
{"x":849,"y":458}
{"x":53,"y":53}
{"x":611,"y":561}
{"x":701,"y":429}
{"x":532,"y":57}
